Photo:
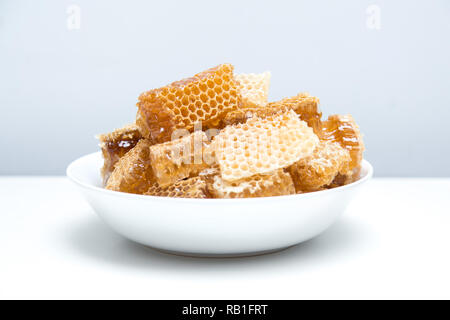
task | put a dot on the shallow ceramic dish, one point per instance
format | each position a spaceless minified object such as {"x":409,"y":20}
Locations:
{"x":210,"y":227}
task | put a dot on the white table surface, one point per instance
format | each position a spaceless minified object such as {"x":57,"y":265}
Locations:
{"x":392,"y":242}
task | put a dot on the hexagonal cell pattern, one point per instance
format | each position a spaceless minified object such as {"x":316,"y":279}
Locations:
{"x":254,"y":88}
{"x":277,"y":183}
{"x":189,"y":188}
{"x":263,"y":145}
{"x":207,"y":98}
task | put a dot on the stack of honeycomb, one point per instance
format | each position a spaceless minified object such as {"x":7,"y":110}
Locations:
{"x":215,"y":135}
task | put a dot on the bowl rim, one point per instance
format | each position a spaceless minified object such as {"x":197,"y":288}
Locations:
{"x":70,"y":174}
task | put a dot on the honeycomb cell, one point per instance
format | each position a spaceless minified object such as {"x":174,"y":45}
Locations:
{"x":254,"y":88}
{"x":344,"y":130}
{"x":115,"y":145}
{"x":133,"y":172}
{"x":182,"y":158}
{"x":277,"y":183}
{"x":163,"y":110}
{"x":259,"y":145}
{"x":189,"y":188}
{"x":320,"y":169}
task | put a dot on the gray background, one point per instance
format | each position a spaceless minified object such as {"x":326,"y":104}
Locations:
{"x":59,"y":87}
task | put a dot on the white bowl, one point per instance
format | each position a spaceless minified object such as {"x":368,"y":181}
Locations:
{"x":211,"y":227}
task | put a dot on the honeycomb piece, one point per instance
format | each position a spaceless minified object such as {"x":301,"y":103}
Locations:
{"x":304,"y":105}
{"x":254,"y":88}
{"x":133,"y":172}
{"x":242,"y":115}
{"x":277,"y":183}
{"x":339,"y":181}
{"x":178,"y":159}
{"x":342,"y":179}
{"x":207,"y":98}
{"x":320,"y":169}
{"x":115,"y":145}
{"x":209,"y":173}
{"x":343,"y":130}
{"x":263,"y":145}
{"x":189,"y":188}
